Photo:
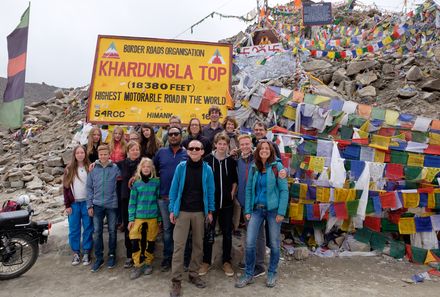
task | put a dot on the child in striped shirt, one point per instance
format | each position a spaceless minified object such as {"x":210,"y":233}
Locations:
{"x":143,"y":217}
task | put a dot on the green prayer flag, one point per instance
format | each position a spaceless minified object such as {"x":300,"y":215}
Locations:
{"x":399,"y":157}
{"x":346,"y":132}
{"x":419,"y":254}
{"x":363,"y":235}
{"x":352,"y":207}
{"x":370,"y":206}
{"x":419,"y":136}
{"x":294,"y":190}
{"x":377,"y":241}
{"x":388,"y":226}
{"x":378,"y":114}
{"x":412,"y":172}
{"x":397,"y":249}
{"x":310,"y":147}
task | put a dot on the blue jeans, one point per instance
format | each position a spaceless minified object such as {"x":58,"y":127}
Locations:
{"x":168,"y":243}
{"x":99,"y":213}
{"x":80,"y":217}
{"x":257,"y":218}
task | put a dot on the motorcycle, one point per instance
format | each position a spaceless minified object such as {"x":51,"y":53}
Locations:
{"x":20,"y":238}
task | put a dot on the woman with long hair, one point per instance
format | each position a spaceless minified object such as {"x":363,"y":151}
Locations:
{"x":117,"y":145}
{"x":128,"y":169}
{"x":150,"y":144}
{"x":230,"y":125}
{"x":93,"y":141}
{"x":195,"y":133}
{"x":75,"y":201}
{"x":266,"y":200}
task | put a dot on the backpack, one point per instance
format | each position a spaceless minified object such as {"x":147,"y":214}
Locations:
{"x":10,"y":205}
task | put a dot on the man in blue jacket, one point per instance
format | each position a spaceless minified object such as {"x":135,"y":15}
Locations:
{"x":102,"y":201}
{"x":166,"y":161}
{"x":191,"y":204}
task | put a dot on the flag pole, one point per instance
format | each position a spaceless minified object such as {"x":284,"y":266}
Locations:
{"x":20,"y":140}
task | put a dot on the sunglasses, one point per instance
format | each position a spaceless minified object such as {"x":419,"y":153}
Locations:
{"x":195,"y":149}
{"x":175,"y":134}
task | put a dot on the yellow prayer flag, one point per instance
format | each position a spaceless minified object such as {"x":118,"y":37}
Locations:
{"x":434,"y":138}
{"x":341,"y":194}
{"x":431,"y":200}
{"x":380,"y":142}
{"x":289,"y":112}
{"x":430,"y":257}
{"x":331,"y":55}
{"x":316,"y":163}
{"x":391,"y":117}
{"x":320,"y":99}
{"x":245,"y":103}
{"x":407,"y":226}
{"x":303,"y":191}
{"x":415,"y":159}
{"x":351,"y":194}
{"x":431,"y":173}
{"x":411,"y":200}
{"x":387,"y":40}
{"x":346,"y":225}
{"x":296,"y":211}
{"x":323,"y":194}
{"x":365,"y":126}
{"x":379,"y":156}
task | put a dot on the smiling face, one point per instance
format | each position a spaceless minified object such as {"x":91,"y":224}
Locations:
{"x":195,"y":150}
{"x":103,"y":156}
{"x":264,"y":152}
{"x":96,"y":136}
{"x":230,"y":127}
{"x":194,"y":127}
{"x":80,"y":154}
{"x":245,"y":146}
{"x":214,"y":116}
{"x":259,"y":132}
{"x":117,"y":134}
{"x":146,"y":132}
{"x":134,"y":152}
{"x":146,"y":169}
{"x":174,"y":137}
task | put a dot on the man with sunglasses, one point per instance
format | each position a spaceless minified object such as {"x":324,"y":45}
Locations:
{"x":166,"y":161}
{"x":191,"y":205}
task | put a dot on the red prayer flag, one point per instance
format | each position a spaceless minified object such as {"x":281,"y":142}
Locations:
{"x":433,"y":149}
{"x":341,"y":210}
{"x":316,"y":211}
{"x":386,"y":131}
{"x":408,"y":252}
{"x":394,"y":171}
{"x":388,"y":200}
{"x":373,"y":223}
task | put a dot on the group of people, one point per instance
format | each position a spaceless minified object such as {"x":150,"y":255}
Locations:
{"x":184,"y":185}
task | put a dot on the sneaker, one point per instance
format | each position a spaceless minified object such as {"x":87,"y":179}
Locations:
{"x":197,"y":281}
{"x":165,"y":266}
{"x":227,"y":268}
{"x":176,"y":289}
{"x":86,"y":260}
{"x":259,"y":271}
{"x":98,"y":263}
{"x":204,"y":268}
{"x":76,"y":260}
{"x":243,"y":281}
{"x":111,"y":262}
{"x":241,"y":265}
{"x":148,"y":269}
{"x":128,"y":263}
{"x":271,"y":280}
{"x":136,"y":272}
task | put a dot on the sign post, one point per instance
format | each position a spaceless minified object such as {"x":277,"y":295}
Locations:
{"x":144,"y":80}
{"x":316,"y":14}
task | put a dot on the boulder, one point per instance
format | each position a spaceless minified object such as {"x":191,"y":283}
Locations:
{"x":57,"y":171}
{"x":46,"y":177}
{"x":414,"y":74}
{"x":27,"y":178}
{"x":339,"y":75}
{"x":67,"y":155}
{"x":55,"y":108}
{"x":430,"y":97}
{"x":387,"y":69}
{"x":350,"y":88}
{"x":409,"y":61}
{"x":431,"y":85}
{"x":368,"y":91}
{"x":35,"y":184}
{"x":316,"y":65}
{"x":59,"y":94}
{"x":406,"y":93}
{"x":54,"y":162}
{"x":356,"y":67}
{"x":366,"y":78}
{"x":435,"y":73}
{"x":45,"y":118}
{"x":17,"y":184}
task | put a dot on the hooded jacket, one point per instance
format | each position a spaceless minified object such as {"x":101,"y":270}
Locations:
{"x":101,"y":185}
{"x":225,"y":174}
{"x":244,"y":166}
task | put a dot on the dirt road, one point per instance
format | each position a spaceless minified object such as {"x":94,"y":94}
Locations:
{"x":53,"y":275}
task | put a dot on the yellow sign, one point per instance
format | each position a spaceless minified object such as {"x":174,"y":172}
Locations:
{"x":144,"y":80}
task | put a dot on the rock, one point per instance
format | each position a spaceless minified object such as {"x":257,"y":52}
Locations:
{"x":429,"y":97}
{"x":45,"y":118}
{"x":409,"y":61}
{"x":18,"y":184}
{"x":407,"y":92}
{"x":327,"y":78}
{"x":301,"y":253}
{"x":414,"y":74}
{"x":55,"y":108}
{"x":15,"y":175}
{"x":35,"y":184}
{"x":45,"y":139}
{"x":316,"y":65}
{"x":350,"y":87}
{"x":437,"y":53}
{"x":67,"y":155}
{"x":3,"y":160}
{"x":356,"y":67}
{"x":435,"y":73}
{"x":57,"y":171}
{"x":59,"y":94}
{"x":323,"y":90}
{"x":46,"y":177}
{"x":27,"y":109}
{"x":431,"y":85}
{"x":54,"y":162}
{"x":28,"y":167}
{"x":366,"y":78}
{"x":37,"y":103}
{"x":387,"y":69}
{"x":368,"y":91}
{"x":27,"y":178}
{"x":339,"y":75}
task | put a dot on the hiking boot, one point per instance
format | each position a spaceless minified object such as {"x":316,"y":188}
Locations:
{"x":86,"y":260}
{"x":204,"y":268}
{"x":271,"y":280}
{"x":176,"y":289}
{"x":197,"y":281}
{"x":259,"y":271}
{"x":128,"y":263}
{"x":111,"y":262}
{"x":98,"y":263}
{"x":227,"y":268}
{"x":243,"y":281}
{"x":241,"y":265}
{"x":165,"y":266}
{"x":76,"y":260}
{"x":148,"y":269}
{"x":136,"y":272}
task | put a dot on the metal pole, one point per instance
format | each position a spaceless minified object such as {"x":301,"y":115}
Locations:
{"x":20,"y":139}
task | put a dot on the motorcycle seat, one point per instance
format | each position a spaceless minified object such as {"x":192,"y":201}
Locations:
{"x":12,"y":218}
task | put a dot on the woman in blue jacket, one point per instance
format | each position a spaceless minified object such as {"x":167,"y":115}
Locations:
{"x":266,"y":200}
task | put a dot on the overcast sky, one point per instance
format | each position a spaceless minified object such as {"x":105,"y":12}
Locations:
{"x":63,"y":33}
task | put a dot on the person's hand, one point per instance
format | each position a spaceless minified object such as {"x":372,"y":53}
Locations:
{"x":248,"y":217}
{"x":282,"y":174}
{"x":234,"y":152}
{"x":209,"y":217}
{"x":68,"y":211}
{"x":131,"y":182}
{"x":279,"y":218}
{"x":130,"y":225}
{"x":172,"y":218}
{"x":91,"y":166}
{"x":90,"y":211}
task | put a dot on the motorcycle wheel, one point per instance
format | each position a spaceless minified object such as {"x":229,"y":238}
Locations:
{"x":27,"y":249}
